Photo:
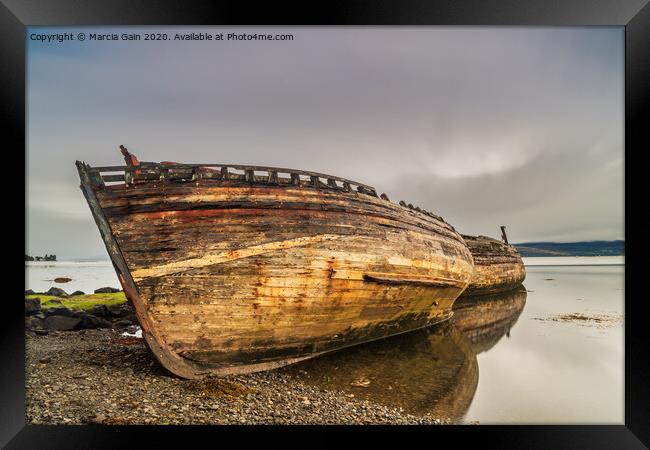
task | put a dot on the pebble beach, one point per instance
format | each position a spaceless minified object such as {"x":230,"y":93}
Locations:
{"x":105,"y":376}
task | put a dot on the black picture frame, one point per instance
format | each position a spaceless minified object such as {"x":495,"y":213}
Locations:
{"x":634,"y":15}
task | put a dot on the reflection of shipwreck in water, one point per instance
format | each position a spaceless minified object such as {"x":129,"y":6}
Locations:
{"x":484,"y":320}
{"x":429,"y":371}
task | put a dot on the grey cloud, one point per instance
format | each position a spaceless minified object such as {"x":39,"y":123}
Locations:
{"x":483,"y":125}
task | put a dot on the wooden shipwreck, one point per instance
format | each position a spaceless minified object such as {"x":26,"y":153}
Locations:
{"x":498,"y":265}
{"x":236,"y":268}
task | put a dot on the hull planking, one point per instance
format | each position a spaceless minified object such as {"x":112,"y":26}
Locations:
{"x":498,"y":266}
{"x":240,"y":275}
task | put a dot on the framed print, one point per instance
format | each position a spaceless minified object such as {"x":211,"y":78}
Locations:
{"x":405,"y":214}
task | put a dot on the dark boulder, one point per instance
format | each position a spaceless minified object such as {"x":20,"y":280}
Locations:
{"x":90,"y":321}
{"x":106,"y":290}
{"x":122,"y":323}
{"x":57,"y":292}
{"x":55,"y":301}
{"x":30,"y":292}
{"x":33,"y":323}
{"x":32,"y":306}
{"x":131,"y":318}
{"x":59,"y":311}
{"x":62,"y":323}
{"x":120,"y":310}
{"x":77,"y":293}
{"x":99,"y":311}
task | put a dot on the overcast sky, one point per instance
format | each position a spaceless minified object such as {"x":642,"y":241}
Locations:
{"x":485,"y":126}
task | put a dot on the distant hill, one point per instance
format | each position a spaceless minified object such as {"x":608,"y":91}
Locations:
{"x":590,"y":248}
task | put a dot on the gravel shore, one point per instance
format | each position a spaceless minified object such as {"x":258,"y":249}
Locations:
{"x":101,"y":376}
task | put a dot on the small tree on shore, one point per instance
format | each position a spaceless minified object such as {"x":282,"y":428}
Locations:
{"x":40,"y":258}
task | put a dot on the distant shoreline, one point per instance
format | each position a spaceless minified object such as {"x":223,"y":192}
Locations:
{"x":559,"y":249}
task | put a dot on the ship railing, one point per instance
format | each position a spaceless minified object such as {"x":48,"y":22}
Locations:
{"x":151,"y":172}
{"x":145,"y":172}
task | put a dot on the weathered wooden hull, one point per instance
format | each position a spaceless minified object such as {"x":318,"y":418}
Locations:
{"x":228,"y":276}
{"x":498,"y":266}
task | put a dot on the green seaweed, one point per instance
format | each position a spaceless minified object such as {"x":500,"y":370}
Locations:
{"x":80,"y":302}
{"x":218,"y":388}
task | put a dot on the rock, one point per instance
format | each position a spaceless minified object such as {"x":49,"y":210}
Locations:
{"x":90,"y":321}
{"x":122,"y":310}
{"x":57,"y":292}
{"x":62,"y":280}
{"x":60,"y":311}
{"x":122,"y":323}
{"x":361,"y":382}
{"x":33,"y":323}
{"x":131,"y":318}
{"x":99,"y":311}
{"x":77,"y":293}
{"x":29,"y":292}
{"x":114,"y":310}
{"x":32,"y":306}
{"x":56,"y":301}
{"x":106,"y":290}
{"x":61,"y":323}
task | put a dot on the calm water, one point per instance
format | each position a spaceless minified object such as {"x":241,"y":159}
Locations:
{"x":495,"y":362}
{"x":86,"y":276}
{"x":555,"y":372}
